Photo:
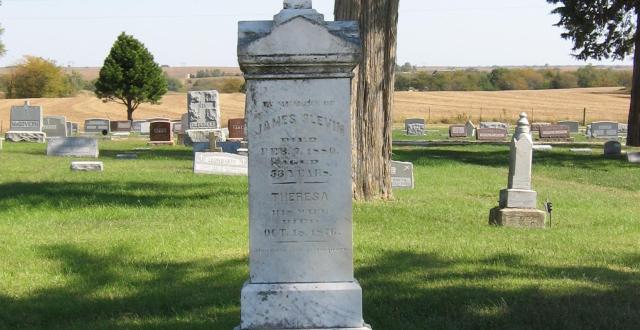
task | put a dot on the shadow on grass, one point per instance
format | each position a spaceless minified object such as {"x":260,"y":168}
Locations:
{"x":406,"y":290}
{"x":500,"y":158}
{"x":153,"y":154}
{"x":110,"y":193}
{"x":403,"y":291}
{"x":112,"y":292}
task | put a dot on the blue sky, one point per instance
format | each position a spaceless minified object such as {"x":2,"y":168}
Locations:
{"x":203,"y":32}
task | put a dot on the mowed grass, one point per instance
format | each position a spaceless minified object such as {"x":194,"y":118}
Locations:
{"x":149,"y":245}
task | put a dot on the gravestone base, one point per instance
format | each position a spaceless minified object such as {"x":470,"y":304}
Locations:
{"x":202,"y":135}
{"x":161,"y":143}
{"x":302,"y":306}
{"x":518,"y":198}
{"x":35,"y":137}
{"x":517,"y":218}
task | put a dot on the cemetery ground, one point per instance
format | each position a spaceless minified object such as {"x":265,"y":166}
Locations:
{"x":149,"y":245}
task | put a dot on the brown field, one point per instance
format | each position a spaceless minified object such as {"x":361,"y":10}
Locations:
{"x":446,"y":107}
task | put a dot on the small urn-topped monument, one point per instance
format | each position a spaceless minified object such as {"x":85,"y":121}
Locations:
{"x":298,"y":70}
{"x":518,"y":202}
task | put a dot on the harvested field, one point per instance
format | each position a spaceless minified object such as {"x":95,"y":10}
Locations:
{"x":446,"y":107}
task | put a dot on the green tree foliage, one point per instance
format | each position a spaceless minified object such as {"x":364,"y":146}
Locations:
{"x":3,"y":50}
{"x":36,"y":77}
{"x":130,"y":76}
{"x":209,"y":73}
{"x":603,"y":29}
{"x":511,"y":79}
{"x":173,"y":84}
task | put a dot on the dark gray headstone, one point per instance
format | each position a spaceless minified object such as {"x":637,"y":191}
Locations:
{"x":604,"y":130}
{"x":574,"y":126}
{"x":612,"y":148}
{"x":97,"y":125}
{"x":55,"y":126}
{"x":402,"y":175}
{"x":26,"y":118}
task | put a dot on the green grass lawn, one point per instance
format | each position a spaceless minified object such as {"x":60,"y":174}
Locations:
{"x":148,"y":245}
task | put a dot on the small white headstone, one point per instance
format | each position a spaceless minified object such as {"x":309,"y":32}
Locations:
{"x":87,"y":166}
{"x":634,"y":157}
{"x":220,"y":163}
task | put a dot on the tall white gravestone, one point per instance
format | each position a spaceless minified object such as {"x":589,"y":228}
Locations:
{"x":298,"y":70}
{"x":518,"y":202}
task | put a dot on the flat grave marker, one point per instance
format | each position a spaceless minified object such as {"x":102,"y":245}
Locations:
{"x":220,"y":163}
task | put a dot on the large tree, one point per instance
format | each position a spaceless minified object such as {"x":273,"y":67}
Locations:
{"x":130,"y":76}
{"x":373,"y":94}
{"x":603,"y":29}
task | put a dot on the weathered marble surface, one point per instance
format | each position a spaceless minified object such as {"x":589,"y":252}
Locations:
{"x":36,"y":137}
{"x":633,"y":157}
{"x":203,"y":135}
{"x":220,"y":163}
{"x":203,"y":110}
{"x":574,"y":126}
{"x":517,"y":218}
{"x":87,"y":166}
{"x":298,"y":70}
{"x":73,"y":147}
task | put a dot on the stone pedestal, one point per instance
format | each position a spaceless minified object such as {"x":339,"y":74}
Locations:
{"x":517,"y":218}
{"x":298,"y":70}
{"x":35,"y":137}
{"x":518,"y":198}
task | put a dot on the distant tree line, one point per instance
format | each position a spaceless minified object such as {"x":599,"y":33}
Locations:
{"x":509,"y":79}
{"x":36,"y":77}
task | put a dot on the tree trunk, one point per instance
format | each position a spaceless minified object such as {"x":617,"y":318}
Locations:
{"x":129,"y":114}
{"x":372,"y":103}
{"x":633,"y":135}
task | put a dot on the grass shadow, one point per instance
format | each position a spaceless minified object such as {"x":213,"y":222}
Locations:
{"x":150,"y":294}
{"x":407,"y":290}
{"x":112,"y":193}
